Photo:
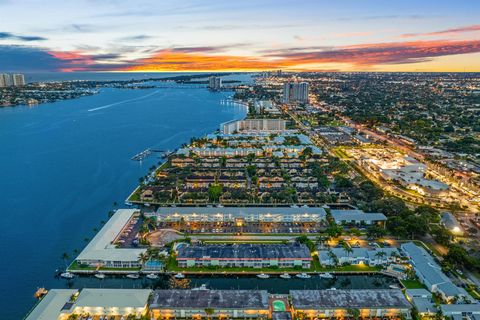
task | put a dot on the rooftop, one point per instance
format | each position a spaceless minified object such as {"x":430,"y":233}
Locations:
{"x":244,"y":251}
{"x":319,"y":299}
{"x":102,"y":248}
{"x":216,"y":299}
{"x":106,"y":298}
{"x":356,"y":215}
{"x":241,"y":211}
{"x":51,"y":305}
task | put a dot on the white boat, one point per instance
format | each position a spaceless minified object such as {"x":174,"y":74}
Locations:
{"x":326,"y":275}
{"x":303,"y":275}
{"x":133,"y":276}
{"x":100,"y":275}
{"x":332,"y":289}
{"x":285,"y":276}
{"x":179,"y":276}
{"x":67,"y":275}
{"x":263,"y":276}
{"x":393,"y":286}
{"x":202,"y":287}
{"x":152,"y":276}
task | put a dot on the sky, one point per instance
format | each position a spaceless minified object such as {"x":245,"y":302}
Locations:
{"x":246,"y":35}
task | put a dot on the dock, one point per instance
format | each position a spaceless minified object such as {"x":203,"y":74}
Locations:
{"x":142,"y":155}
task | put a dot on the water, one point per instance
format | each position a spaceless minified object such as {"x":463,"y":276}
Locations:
{"x":225,"y":282}
{"x":62,"y":167}
{"x":118,"y":76}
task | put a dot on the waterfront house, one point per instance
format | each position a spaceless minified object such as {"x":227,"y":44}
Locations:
{"x":374,"y":257}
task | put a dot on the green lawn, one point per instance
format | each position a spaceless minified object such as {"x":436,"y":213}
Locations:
{"x":412,"y":284}
{"x":74,"y":266}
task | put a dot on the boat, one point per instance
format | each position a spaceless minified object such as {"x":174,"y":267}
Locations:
{"x":100,"y":275}
{"x":285,"y":276}
{"x":40,"y":293}
{"x":67,"y":275}
{"x":179,"y":276}
{"x":263,"y":276}
{"x":303,"y":275}
{"x":393,"y":286}
{"x":327,"y":275}
{"x":202,"y":287}
{"x":152,"y":276}
{"x":133,"y":276}
{"x":332,"y":289}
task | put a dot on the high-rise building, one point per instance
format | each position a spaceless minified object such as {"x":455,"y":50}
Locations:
{"x":5,"y":80}
{"x":18,"y":79}
{"x":295,"y":92}
{"x":214,"y":83}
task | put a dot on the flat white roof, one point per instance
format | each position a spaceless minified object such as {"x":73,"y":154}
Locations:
{"x":101,"y":247}
{"x":106,"y":298}
{"x":49,"y":308}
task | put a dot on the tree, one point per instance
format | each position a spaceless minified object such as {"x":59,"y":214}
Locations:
{"x":209,"y":312}
{"x":375,"y":231}
{"x":334,"y":230}
{"x":431,"y":214}
{"x":441,"y":234}
{"x":354,"y":313}
{"x":333,"y":257}
{"x":214,"y":192}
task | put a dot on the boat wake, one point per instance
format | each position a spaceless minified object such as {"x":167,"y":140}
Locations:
{"x":121,"y":102}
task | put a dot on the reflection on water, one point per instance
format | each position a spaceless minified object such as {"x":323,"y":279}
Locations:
{"x":273,"y":284}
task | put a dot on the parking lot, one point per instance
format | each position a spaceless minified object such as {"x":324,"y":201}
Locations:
{"x":245,"y":227}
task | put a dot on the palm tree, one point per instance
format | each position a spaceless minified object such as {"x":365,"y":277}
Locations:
{"x":333,"y":257}
{"x":380,"y":254}
{"x":143,"y":257}
{"x":209,"y":312}
{"x":346,"y":247}
{"x":354,"y":313}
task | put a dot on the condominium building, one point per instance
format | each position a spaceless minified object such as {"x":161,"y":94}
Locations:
{"x":63,"y":304}
{"x":5,"y":80}
{"x":295,"y":92}
{"x":214,"y":83}
{"x":239,"y":215}
{"x":245,"y":255}
{"x":374,"y":257}
{"x":385,"y":303}
{"x":102,"y":251}
{"x":358,"y":217}
{"x":253,"y":125}
{"x":431,"y":275}
{"x":194,"y":304}
{"x":18,"y":79}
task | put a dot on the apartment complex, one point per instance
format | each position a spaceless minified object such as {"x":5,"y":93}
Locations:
{"x":295,"y":92}
{"x":253,"y":125}
{"x":239,"y":215}
{"x":63,"y":304}
{"x":244,"y":304}
{"x":7,"y":80}
{"x":245,"y":255}
{"x":313,"y":304}
{"x":102,"y":251}
{"x":214,"y":83}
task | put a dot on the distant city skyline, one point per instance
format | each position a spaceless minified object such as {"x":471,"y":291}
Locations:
{"x":146,"y":36}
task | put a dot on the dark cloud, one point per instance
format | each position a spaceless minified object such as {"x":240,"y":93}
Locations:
{"x":22,"y":59}
{"x":139,"y":37}
{"x":11,"y":36}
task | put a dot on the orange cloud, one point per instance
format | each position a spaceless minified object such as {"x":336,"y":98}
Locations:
{"x":301,"y":58}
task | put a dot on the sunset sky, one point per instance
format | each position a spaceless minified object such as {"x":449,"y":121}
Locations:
{"x":118,"y":35}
